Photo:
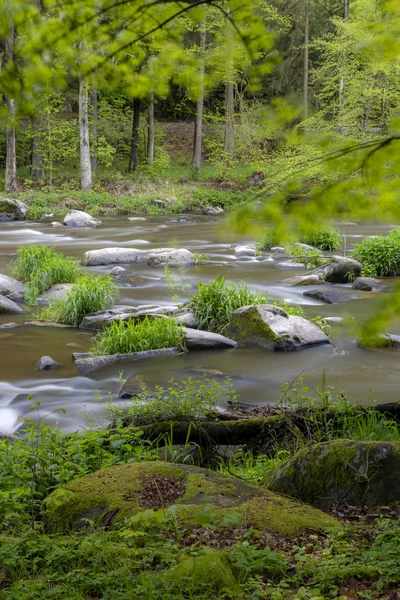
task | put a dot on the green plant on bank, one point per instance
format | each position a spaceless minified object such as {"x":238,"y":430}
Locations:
{"x":324,"y":238}
{"x":380,"y":255}
{"x":87,"y":295}
{"x":124,"y":337}
{"x":189,"y":400}
{"x":252,"y":466}
{"x":41,"y":267}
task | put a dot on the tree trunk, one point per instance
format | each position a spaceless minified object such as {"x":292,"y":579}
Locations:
{"x":151,"y":132}
{"x":341,"y":84}
{"x":229,"y":138}
{"x":10,"y":183}
{"x":86,"y":167}
{"x":306,"y":71}
{"x":36,"y":169}
{"x":94,"y":129}
{"x":133,"y":160}
{"x":198,"y":126}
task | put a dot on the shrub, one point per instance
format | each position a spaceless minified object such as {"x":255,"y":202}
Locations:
{"x":88,"y":295}
{"x":380,"y":255}
{"x":124,"y":337}
{"x":223,"y":198}
{"x":269,"y":239}
{"x":324,"y":238}
{"x":41,"y":267}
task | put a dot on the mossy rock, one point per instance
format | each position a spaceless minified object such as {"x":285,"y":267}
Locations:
{"x":213,"y":571}
{"x":198,"y":495}
{"x":358,"y":473}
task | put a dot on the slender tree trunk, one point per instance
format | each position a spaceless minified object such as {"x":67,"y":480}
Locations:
{"x":229,"y":138}
{"x":341,"y":84}
{"x":94,"y":129}
{"x":198,"y":126}
{"x":133,"y":159}
{"x":306,"y":66}
{"x":150,"y":131}
{"x":36,"y":168}
{"x":86,"y":167}
{"x":10,"y":183}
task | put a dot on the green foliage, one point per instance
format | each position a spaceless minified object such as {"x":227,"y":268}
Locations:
{"x":324,"y":238}
{"x":310,"y":258}
{"x":88,"y":295}
{"x":124,"y":337}
{"x":254,"y":467}
{"x":214,"y":197}
{"x":380,"y":255}
{"x":269,"y":239}
{"x":41,"y":267}
{"x":188,"y":400}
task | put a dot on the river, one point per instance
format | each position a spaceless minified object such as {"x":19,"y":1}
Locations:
{"x":256,"y":374}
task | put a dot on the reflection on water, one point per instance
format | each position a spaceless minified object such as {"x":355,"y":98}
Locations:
{"x":256,"y":374}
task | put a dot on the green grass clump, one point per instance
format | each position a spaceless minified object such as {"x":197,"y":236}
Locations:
{"x":380,"y":255}
{"x":88,"y":295}
{"x":269,"y":239}
{"x":324,"y":238}
{"x":124,"y":337}
{"x":41,"y":267}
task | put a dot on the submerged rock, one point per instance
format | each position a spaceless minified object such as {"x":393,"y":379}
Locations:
{"x":9,"y":307}
{"x":358,"y":473}
{"x":11,"y":288}
{"x":298,"y":280}
{"x":116,"y":256}
{"x":271,"y":327}
{"x":175,"y":257}
{"x":332,"y":294}
{"x":368,"y":284}
{"x":12,"y":209}
{"x":46,"y":363}
{"x":79,"y":218}
{"x":122,"y":491}
{"x":205,"y":340}
{"x":87,"y":363}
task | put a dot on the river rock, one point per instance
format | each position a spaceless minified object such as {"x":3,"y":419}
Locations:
{"x":102,"y":318}
{"x":122,"y":491}
{"x":137,"y":219}
{"x":340,"y":270}
{"x":11,"y":288}
{"x":389,"y":341}
{"x":300,"y":247}
{"x":46,"y":363}
{"x":271,"y":327}
{"x":56,"y":292}
{"x":212,"y":210}
{"x":205,"y":340}
{"x":89,"y":362}
{"x":119,"y":274}
{"x":245,"y":251}
{"x":299,"y":280}
{"x":332,"y":294}
{"x":362,"y":474}
{"x":175,"y":257}
{"x":79,"y":218}
{"x":12,"y":209}
{"x":8,"y":325}
{"x":56,"y":224}
{"x":131,"y":388}
{"x":278,"y":249}
{"x":188,"y":319}
{"x":290,"y":264}
{"x":368,"y":284}
{"x":9,"y":307}
{"x":114,"y":256}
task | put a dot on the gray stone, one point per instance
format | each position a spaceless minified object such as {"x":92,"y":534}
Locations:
{"x":301,"y":247}
{"x":12,"y":209}
{"x":11,"y":288}
{"x":245,"y":251}
{"x":119,"y":274}
{"x":79,"y":218}
{"x":188,"y":320}
{"x":332,"y":294}
{"x":8,"y":326}
{"x":46,"y":363}
{"x":175,"y":257}
{"x":205,"y":340}
{"x":114,"y":256}
{"x":340,"y":270}
{"x":131,"y":388}
{"x":9,"y":307}
{"x":92,"y":363}
{"x":368,"y":284}
{"x":137,"y":219}
{"x":102,"y":318}
{"x":56,"y":224}
{"x":333,"y":319}
{"x":299,"y":280}
{"x":278,"y":249}
{"x":271,"y":327}
{"x":56,"y":292}
{"x":212,"y":210}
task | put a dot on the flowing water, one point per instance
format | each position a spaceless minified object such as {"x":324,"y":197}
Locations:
{"x":256,"y":374}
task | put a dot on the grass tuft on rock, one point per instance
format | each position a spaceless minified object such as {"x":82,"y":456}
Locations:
{"x":41,"y":267}
{"x":124,"y":337}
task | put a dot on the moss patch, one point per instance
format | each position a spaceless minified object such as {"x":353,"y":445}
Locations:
{"x":247,"y":325}
{"x":211,"y":571}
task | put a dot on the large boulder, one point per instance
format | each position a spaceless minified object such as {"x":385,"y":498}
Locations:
{"x":12,"y":209}
{"x":79,"y":218}
{"x":175,"y":257}
{"x":358,"y":473}
{"x":340,"y":270}
{"x":8,"y":307}
{"x":205,"y":340}
{"x":88,"y":363}
{"x":332,"y":294}
{"x":121,"y":491}
{"x":114,"y":256}
{"x":11,"y":288}
{"x":271,"y":327}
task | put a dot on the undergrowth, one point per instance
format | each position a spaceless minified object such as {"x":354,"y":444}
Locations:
{"x":324,"y":238}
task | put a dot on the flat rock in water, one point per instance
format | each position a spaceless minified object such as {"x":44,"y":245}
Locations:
{"x":11,"y":288}
{"x":271,"y":327}
{"x":245,"y":251}
{"x":8,"y":326}
{"x":9,"y":307}
{"x":172,"y":257}
{"x":368,"y":284}
{"x":12,"y":209}
{"x":332,"y":294}
{"x":205,"y":340}
{"x":46,"y":363}
{"x":114,"y":256}
{"x":103,"y":318}
{"x":79,"y":218}
{"x":46,"y":324}
{"x":56,"y":292}
{"x":92,"y":363}
{"x":299,"y":280}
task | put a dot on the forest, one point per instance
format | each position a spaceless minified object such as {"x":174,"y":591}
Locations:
{"x":199,"y":299}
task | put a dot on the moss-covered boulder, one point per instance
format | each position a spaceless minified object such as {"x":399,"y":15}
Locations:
{"x":12,"y":209}
{"x":271,"y":327}
{"x":358,"y":473}
{"x":213,"y":571}
{"x":199,"y":496}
